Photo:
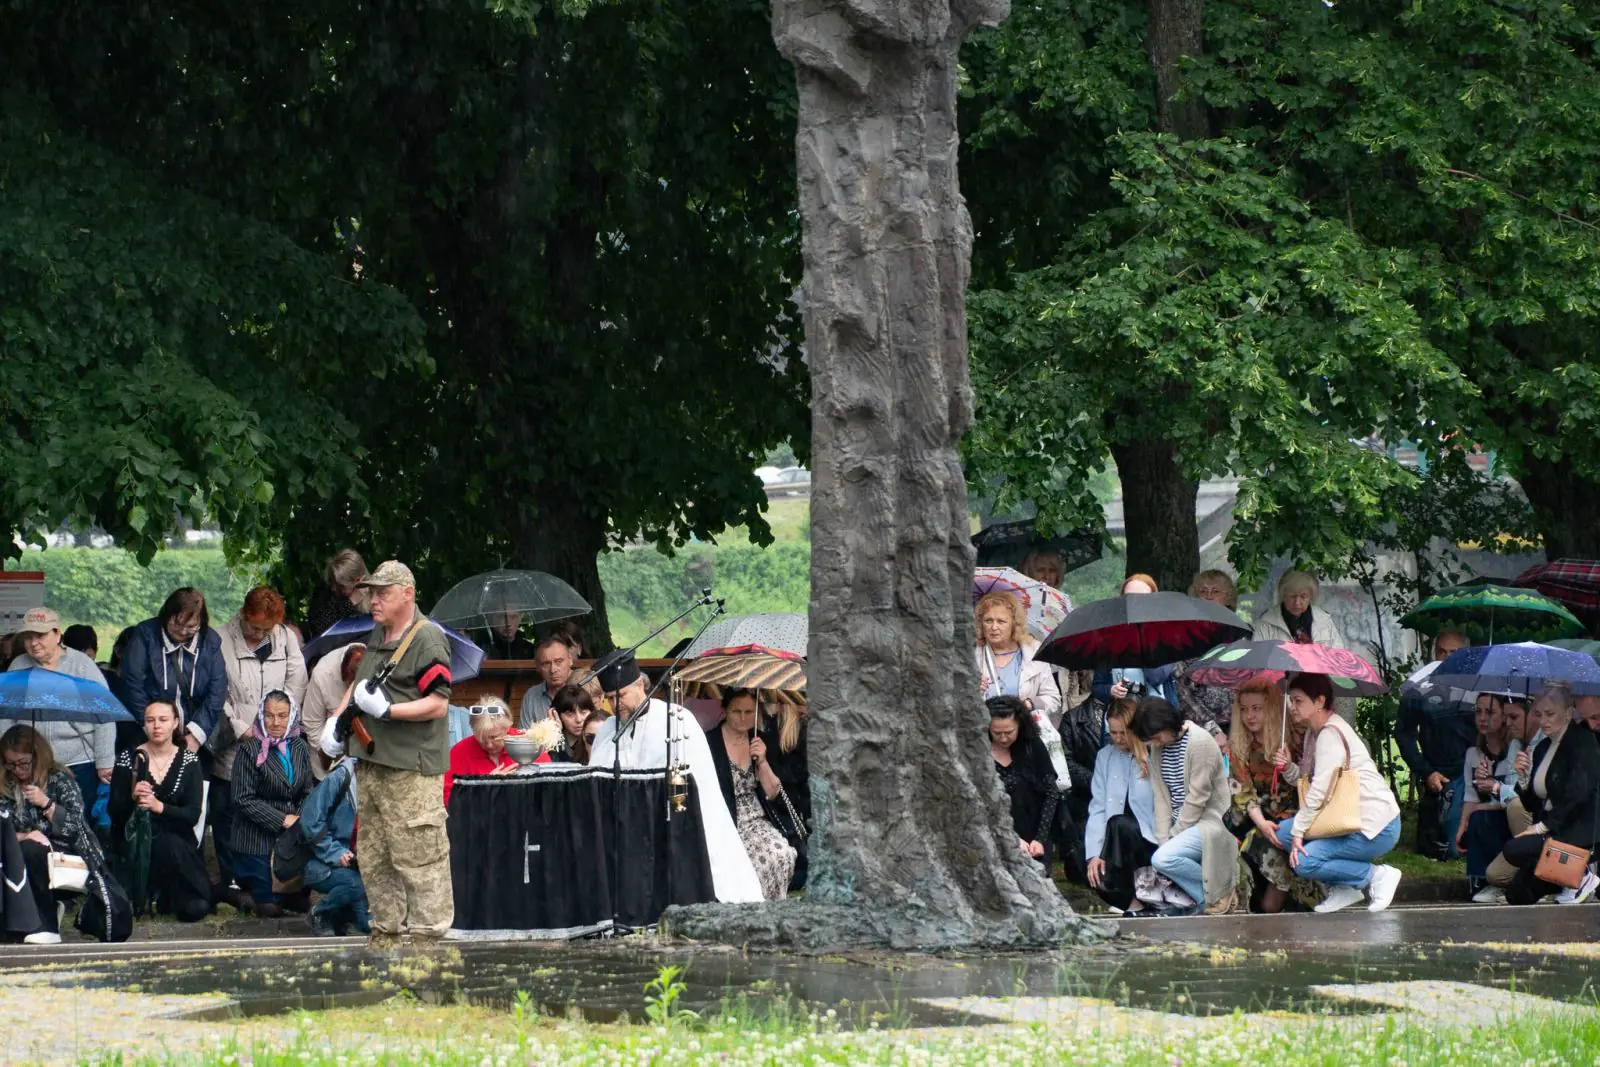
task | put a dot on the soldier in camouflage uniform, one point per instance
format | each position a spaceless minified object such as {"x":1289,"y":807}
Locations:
{"x":403,"y":705}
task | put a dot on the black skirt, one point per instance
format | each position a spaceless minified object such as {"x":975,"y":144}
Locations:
{"x":1124,"y":852}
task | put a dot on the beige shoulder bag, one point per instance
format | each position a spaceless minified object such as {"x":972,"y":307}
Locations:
{"x":1340,"y":814}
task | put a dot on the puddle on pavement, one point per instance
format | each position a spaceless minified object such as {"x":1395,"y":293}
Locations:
{"x":605,"y":981}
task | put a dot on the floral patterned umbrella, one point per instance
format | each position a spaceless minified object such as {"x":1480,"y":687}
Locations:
{"x":779,"y":677}
{"x":1491,"y":614}
{"x":1233,"y":665}
{"x":1047,"y":607}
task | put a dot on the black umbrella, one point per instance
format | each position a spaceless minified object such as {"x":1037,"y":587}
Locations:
{"x":1141,"y":630}
{"x":1008,"y":544}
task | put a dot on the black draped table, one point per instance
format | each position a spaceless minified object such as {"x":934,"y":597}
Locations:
{"x":530,"y":851}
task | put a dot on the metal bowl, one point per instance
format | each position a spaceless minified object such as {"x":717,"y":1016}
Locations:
{"x":522,"y":749}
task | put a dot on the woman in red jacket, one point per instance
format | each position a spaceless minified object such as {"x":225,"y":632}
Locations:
{"x":485,"y":751}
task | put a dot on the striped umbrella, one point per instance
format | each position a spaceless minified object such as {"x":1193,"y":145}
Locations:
{"x":778,"y":677}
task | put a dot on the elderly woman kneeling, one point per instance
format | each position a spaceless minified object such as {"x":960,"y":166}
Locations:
{"x":1191,"y":792}
{"x":1342,"y":862}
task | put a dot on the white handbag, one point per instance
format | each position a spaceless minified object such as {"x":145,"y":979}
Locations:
{"x":68,"y":873}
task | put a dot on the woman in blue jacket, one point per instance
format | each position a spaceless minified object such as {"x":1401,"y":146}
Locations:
{"x":177,"y":657}
{"x":1120,"y":836}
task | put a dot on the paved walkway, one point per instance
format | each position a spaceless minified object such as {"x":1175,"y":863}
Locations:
{"x":1355,"y":927}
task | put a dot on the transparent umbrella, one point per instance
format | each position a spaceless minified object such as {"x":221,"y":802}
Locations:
{"x":481,"y":601}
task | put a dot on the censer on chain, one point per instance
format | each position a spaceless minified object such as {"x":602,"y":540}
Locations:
{"x":677,"y":776}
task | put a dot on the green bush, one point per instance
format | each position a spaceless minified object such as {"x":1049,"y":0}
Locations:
{"x":107,"y":588}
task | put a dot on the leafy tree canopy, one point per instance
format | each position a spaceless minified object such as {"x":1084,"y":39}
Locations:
{"x":1381,"y":237}
{"x":160,"y":353}
{"x":590,"y":208}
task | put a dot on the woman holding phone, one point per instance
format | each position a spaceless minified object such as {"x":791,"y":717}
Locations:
{"x":750,"y":787}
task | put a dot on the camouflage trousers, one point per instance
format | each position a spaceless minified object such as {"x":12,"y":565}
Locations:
{"x":405,"y":854}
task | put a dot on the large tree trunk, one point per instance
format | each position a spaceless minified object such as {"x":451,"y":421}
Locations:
{"x":1175,"y":30}
{"x":1566,"y":507}
{"x":565,"y":539}
{"x":912,"y":843}
{"x":1158,"y":504}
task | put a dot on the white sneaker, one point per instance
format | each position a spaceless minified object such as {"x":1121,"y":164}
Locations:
{"x":43,"y":937}
{"x":1584,"y":891}
{"x":1339,"y":898}
{"x":1489,"y":894}
{"x":1385,"y":880}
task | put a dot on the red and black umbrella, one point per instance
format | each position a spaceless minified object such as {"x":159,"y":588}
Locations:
{"x":1141,"y":630}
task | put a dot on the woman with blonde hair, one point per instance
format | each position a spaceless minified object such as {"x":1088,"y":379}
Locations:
{"x":1266,"y":768}
{"x":485,"y":751}
{"x":782,"y":728}
{"x":339,"y":596}
{"x":1005,"y":655}
{"x":1120,"y":832}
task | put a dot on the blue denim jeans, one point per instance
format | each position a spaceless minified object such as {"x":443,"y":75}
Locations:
{"x":254,"y":874}
{"x":341,"y":891}
{"x":1343,"y":860}
{"x":1180,"y":859}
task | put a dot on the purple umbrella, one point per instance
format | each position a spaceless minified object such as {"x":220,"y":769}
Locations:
{"x":465,"y":657}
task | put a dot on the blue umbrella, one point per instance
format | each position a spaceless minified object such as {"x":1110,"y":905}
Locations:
{"x":50,"y":696}
{"x":465,"y":657}
{"x":1520,"y":669}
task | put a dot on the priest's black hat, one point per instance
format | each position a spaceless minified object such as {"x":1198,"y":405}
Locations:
{"x":617,"y":670}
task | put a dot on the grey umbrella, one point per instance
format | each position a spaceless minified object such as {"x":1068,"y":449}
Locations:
{"x":536,"y":596}
{"x":783,"y":631}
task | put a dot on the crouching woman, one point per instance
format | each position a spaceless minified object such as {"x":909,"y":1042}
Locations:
{"x":1190,"y":784}
{"x":1342,"y":862}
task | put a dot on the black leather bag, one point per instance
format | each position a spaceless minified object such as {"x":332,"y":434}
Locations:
{"x":106,"y":913}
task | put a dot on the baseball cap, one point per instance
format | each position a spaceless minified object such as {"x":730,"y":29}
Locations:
{"x":39,"y":621}
{"x":389,"y":572}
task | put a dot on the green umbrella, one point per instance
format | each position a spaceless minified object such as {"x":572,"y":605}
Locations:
{"x":1493,"y":614}
{"x":135,"y":865}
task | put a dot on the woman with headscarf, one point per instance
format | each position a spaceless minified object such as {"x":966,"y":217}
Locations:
{"x":176,"y":657}
{"x":48,"y":816}
{"x":161,"y":784}
{"x":272,"y":775}
{"x":261,"y":655}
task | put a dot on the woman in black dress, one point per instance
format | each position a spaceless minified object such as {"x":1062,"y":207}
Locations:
{"x":1024,"y":768}
{"x":157,"y":793}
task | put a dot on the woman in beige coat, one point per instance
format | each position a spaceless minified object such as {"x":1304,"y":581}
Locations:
{"x":1191,"y":792}
{"x":261,"y":655}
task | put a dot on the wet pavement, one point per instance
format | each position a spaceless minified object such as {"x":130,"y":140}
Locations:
{"x":1195,"y":966}
{"x":1355,"y":927}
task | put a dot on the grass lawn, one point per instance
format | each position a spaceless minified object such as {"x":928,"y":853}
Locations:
{"x":403,"y":1031}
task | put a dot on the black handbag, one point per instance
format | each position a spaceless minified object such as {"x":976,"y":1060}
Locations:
{"x":106,"y":912}
{"x":292,"y":850}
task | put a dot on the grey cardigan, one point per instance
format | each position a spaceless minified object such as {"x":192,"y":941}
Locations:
{"x":1208,"y":799}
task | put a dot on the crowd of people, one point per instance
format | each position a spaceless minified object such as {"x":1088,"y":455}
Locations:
{"x":1181,"y":798}
{"x":1163,"y":796}
{"x":239,"y":755}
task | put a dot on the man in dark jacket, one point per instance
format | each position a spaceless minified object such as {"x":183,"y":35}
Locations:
{"x":1434,"y":745}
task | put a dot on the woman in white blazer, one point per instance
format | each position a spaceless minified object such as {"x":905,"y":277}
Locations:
{"x":1006,"y":667}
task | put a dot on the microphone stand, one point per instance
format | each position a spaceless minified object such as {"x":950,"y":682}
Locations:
{"x":704,"y":600}
{"x":625,"y":726}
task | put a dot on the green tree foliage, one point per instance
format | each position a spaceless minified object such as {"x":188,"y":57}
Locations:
{"x":156,"y":351}
{"x":590,"y":207}
{"x":1383,"y":237}
{"x":110,"y":588}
